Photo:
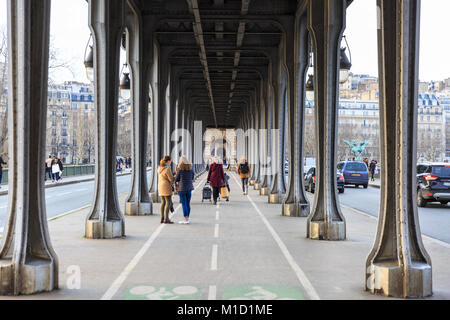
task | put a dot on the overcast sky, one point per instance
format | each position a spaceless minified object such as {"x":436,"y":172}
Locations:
{"x":70,"y":32}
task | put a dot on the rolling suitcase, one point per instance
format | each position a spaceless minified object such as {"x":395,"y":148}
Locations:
{"x":206,"y":193}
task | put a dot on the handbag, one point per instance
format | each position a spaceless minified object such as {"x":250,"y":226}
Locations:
{"x":224,"y":193}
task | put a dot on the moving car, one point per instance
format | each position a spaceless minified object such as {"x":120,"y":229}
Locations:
{"x":310,"y":181}
{"x":354,"y":172}
{"x":433,"y":183}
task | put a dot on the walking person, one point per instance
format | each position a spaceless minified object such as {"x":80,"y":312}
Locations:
{"x":216,"y":178}
{"x":185,"y":177}
{"x":55,"y":169}
{"x":243,"y":170}
{"x":2,"y":163}
{"x":48,"y":168}
{"x":372,"y":168}
{"x":165,"y":188}
{"x":61,"y":167}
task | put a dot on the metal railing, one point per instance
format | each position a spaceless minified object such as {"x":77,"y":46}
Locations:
{"x":69,"y":171}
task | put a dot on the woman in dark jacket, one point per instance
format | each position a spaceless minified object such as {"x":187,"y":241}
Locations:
{"x":184,"y":177}
{"x":216,"y":178}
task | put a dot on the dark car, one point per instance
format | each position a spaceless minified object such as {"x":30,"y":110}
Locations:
{"x":354,"y":172}
{"x":310,"y":181}
{"x":433,"y":183}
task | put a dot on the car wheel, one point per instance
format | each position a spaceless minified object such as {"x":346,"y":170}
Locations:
{"x":421,"y":202}
{"x":365,"y":186}
{"x":444,"y":202}
{"x":356,"y":186}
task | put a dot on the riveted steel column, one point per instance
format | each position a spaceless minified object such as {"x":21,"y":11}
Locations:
{"x":326,"y":23}
{"x":159,"y":83}
{"x":28,"y":262}
{"x":290,"y":207}
{"x":265,"y":186}
{"x":262,"y":181}
{"x":398,"y":264}
{"x":257,"y":115}
{"x":138,"y":202}
{"x":301,"y":56}
{"x":275,"y":192}
{"x":106,"y":20}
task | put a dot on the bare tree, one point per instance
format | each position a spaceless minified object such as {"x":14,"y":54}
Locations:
{"x":429,"y":146}
{"x":55,"y":64}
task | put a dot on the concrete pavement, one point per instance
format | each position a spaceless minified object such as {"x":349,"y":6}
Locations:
{"x":239,"y":249}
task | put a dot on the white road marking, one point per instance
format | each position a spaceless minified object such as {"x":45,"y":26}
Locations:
{"x":3,"y":207}
{"x":79,"y":190}
{"x":64,"y":194}
{"x":212,"y":295}
{"x":301,"y":276}
{"x":216,"y":231}
{"x":437,"y":241}
{"x":115,"y":286}
{"x":217,"y":215}
{"x":215,"y":249}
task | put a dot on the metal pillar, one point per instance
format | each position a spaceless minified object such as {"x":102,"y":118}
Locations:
{"x":326,"y":24}
{"x":266,"y":187}
{"x":275,"y":192}
{"x":296,"y":203}
{"x":262,"y":177}
{"x":106,"y":20}
{"x":398,"y":264}
{"x":138,"y":201}
{"x":28,"y":262}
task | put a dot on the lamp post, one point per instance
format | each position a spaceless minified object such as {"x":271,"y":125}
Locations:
{"x":89,"y":60}
{"x":345,"y":64}
{"x":124,"y":85}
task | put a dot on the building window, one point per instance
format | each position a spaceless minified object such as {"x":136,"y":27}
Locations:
{"x":74,"y":107}
{"x":86,"y":107}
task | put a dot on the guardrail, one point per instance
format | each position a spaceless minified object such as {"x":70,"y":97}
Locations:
{"x":69,"y":171}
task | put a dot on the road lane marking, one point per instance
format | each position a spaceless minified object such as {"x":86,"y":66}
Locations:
{"x":301,"y":276}
{"x":64,"y":194}
{"x":215,"y":249}
{"x":115,"y":286}
{"x":436,"y":241}
{"x":217,"y":215}
{"x":212,"y":295}
{"x":216,"y":231}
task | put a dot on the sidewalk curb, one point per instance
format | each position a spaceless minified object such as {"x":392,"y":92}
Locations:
{"x":376,"y":186}
{"x":2,"y":193}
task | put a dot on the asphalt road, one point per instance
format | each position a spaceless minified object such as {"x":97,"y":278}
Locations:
{"x":434,"y":219}
{"x":66,"y":198}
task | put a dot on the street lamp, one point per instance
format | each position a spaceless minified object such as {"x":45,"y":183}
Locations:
{"x":310,"y":88}
{"x":89,"y":60}
{"x":345,"y":64}
{"x":125,"y":83}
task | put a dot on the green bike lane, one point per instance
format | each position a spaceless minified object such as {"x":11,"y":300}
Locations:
{"x":226,"y":253}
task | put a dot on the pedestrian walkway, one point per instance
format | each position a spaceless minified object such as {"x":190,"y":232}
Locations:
{"x":66,"y":181}
{"x":375,"y":184}
{"x":239,"y":249}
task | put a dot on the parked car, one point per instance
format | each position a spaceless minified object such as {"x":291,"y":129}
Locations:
{"x":433,"y":183}
{"x":354,"y":172}
{"x":310,"y":181}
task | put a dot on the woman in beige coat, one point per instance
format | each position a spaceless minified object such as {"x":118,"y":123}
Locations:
{"x":165,"y":188}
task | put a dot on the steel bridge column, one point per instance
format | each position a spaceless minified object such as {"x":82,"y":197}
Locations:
{"x":28,"y":262}
{"x":160,"y":77}
{"x":264,"y":189}
{"x":106,"y":20}
{"x":138,"y":201}
{"x":398,"y":264}
{"x":326,"y":24}
{"x":275,"y":192}
{"x":296,"y":203}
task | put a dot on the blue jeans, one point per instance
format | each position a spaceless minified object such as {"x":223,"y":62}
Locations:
{"x":185,"y":199}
